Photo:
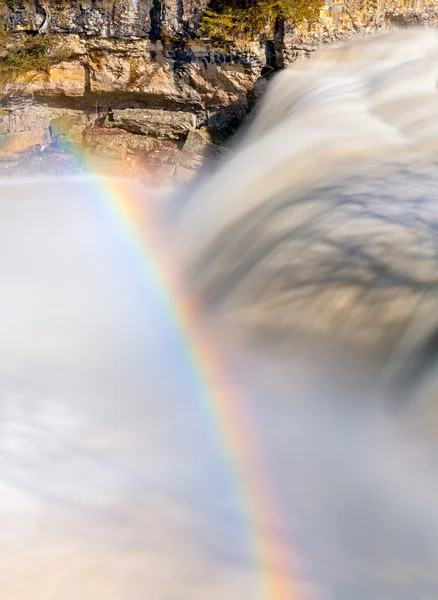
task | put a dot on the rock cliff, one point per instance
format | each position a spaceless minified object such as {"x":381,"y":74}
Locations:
{"x":141,"y":68}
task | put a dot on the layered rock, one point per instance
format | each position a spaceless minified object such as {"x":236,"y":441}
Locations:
{"x":104,"y":18}
{"x":16,"y":143}
{"x":165,"y":124}
{"x":25,"y":116}
{"x":137,"y":73}
{"x":175,"y":23}
{"x":136,"y":87}
{"x":340,"y":19}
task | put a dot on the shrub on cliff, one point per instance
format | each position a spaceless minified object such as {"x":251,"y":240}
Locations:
{"x":34,"y":53}
{"x":232,"y":22}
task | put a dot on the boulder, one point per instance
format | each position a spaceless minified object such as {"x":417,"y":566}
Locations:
{"x":129,"y":166}
{"x":132,"y":154}
{"x":116,"y":143}
{"x":164,"y":124}
{"x":27,"y":115}
{"x":15,"y":143}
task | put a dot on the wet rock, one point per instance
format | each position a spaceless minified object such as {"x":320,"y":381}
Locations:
{"x":8,"y":167}
{"x":130,"y":165}
{"x":200,"y":144}
{"x":116,"y":143}
{"x":198,"y":151}
{"x":228,"y":118}
{"x":3,"y":121}
{"x":164,"y":124}
{"x":50,"y":161}
{"x":68,"y":129}
{"x":130,"y":154}
{"x":183,"y":174}
{"x":164,"y":174}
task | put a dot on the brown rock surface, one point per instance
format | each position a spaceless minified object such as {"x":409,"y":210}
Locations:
{"x":130,"y":154}
{"x":63,"y":79}
{"x":27,"y":115}
{"x":15,"y":143}
{"x":164,"y":124}
{"x":116,"y":142}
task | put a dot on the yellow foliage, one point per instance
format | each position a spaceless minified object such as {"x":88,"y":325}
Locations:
{"x":230,"y":23}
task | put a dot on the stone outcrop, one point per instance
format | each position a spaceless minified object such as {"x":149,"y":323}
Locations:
{"x":164,"y":124}
{"x":102,"y":73}
{"x":342,"y":19}
{"x":15,"y":143}
{"x":24,"y":116}
{"x":130,"y":153}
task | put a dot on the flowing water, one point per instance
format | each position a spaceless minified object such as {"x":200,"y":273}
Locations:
{"x":312,"y":255}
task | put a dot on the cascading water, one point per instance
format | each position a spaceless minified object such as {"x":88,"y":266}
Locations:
{"x":135,"y":458}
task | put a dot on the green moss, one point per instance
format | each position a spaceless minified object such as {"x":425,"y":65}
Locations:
{"x":232,"y":23}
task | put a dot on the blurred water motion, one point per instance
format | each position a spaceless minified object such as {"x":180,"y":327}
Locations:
{"x":313,"y":255}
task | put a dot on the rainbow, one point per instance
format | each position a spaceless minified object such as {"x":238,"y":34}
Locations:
{"x":136,"y":223}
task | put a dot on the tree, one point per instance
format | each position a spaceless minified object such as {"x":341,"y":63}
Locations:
{"x":228,"y":21}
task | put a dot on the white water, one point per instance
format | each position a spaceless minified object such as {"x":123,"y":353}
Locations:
{"x":112,"y":484}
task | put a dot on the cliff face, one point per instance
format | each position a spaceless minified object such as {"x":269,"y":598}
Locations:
{"x":105,"y":18}
{"x":136,"y":51}
{"x":178,"y":20}
{"x":341,"y":19}
{"x":149,"y":55}
{"x":124,"y":56}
